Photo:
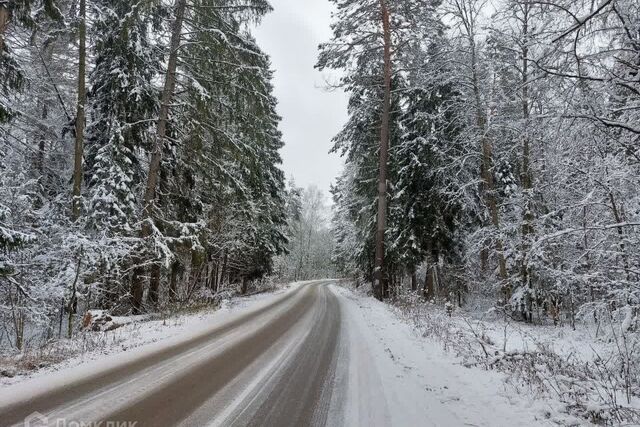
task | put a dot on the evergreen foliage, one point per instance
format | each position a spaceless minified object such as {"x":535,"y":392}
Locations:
{"x":220,"y":218}
{"x":512,"y":157}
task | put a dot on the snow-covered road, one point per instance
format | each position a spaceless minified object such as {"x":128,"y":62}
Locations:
{"x":316,"y":355}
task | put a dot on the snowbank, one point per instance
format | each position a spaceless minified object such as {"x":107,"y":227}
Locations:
{"x":107,"y":335}
{"x":574,"y":376}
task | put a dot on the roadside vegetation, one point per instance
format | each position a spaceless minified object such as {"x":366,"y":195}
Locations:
{"x":139,"y":162}
{"x":491,"y":173}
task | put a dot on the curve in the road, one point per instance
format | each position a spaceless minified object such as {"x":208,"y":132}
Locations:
{"x":166,"y":387}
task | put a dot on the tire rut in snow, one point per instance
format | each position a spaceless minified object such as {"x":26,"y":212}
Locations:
{"x":177,"y":399}
{"x":302,"y":394}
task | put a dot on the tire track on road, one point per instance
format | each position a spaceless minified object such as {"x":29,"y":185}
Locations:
{"x":48,"y":400}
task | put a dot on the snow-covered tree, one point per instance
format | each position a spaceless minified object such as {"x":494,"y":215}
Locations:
{"x":310,"y":246}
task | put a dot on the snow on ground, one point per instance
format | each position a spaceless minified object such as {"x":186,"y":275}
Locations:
{"x":564,"y":376}
{"x":90,"y":346}
{"x":420,"y":382}
{"x":510,"y":335}
{"x":405,"y":366}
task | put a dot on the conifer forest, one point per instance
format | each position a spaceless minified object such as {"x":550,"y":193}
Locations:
{"x":489,"y":188}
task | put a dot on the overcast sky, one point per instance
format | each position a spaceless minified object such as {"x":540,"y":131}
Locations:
{"x":311,"y":116}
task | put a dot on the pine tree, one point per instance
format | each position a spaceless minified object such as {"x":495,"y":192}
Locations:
{"x":121,"y":100}
{"x":425,"y":212}
{"x":222,"y":192}
{"x":372,"y":38}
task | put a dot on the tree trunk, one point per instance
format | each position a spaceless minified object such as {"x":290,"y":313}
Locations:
{"x":484,"y":260}
{"x":72,"y":308}
{"x":137,"y":290}
{"x":486,"y":174}
{"x":414,"y":280}
{"x":618,"y":218}
{"x":4,"y":21}
{"x":173,"y":282}
{"x":429,"y":287}
{"x":223,"y":270}
{"x":213,"y":277}
{"x":42,"y":142}
{"x":380,"y":278}
{"x":137,"y":287}
{"x":244,"y":286}
{"x":489,"y":186}
{"x":167,"y":96}
{"x":154,"y":286}
{"x":436,"y":275}
{"x":80,"y":112}
{"x":196,"y":268}
{"x":526,"y":177}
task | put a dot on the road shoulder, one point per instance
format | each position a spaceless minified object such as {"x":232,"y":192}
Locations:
{"x":421,"y":384}
{"x":90,"y":351}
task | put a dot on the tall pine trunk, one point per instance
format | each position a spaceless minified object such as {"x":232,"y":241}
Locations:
{"x":161,"y":131}
{"x":380,"y":279}
{"x":80,"y":111}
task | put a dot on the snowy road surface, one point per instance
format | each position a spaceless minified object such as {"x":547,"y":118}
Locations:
{"x":315,"y":356}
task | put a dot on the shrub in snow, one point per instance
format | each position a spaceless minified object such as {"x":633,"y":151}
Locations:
{"x":599,"y":382}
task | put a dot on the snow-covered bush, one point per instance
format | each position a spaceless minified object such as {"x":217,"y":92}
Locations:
{"x":595,"y":376}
